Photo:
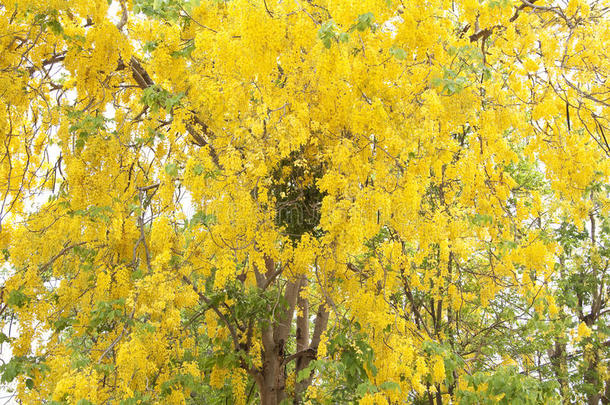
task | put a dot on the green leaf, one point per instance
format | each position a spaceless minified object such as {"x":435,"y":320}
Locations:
{"x":303,"y":374}
{"x":55,"y":27}
{"x":398,"y":53}
{"x":202,"y":218}
{"x":390,"y":385}
{"x":326,"y":33}
{"x":173,"y":101}
{"x":365,"y":388}
{"x":436,"y":81}
{"x":62,"y":323}
{"x":172,"y":169}
{"x":4,"y":338}
{"x":184,"y":52}
{"x":157,"y":97}
{"x":10,"y":370}
{"x":482,"y":219}
{"x":150,"y":46}
{"x":365,"y":21}
{"x":17,"y":299}
{"x":198,"y":170}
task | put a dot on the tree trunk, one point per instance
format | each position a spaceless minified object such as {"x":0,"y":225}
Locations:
{"x":310,"y":354}
{"x":560,"y":366}
{"x":273,"y":389}
{"x":271,"y":380}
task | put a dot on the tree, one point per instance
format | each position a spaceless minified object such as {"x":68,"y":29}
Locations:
{"x":304,"y":201}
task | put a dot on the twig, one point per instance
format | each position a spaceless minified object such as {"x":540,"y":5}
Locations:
{"x":58,"y":255}
{"x":124,"y":15}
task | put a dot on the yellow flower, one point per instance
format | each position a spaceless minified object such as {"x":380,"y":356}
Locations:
{"x":583,"y":331}
{"x":438,"y":369}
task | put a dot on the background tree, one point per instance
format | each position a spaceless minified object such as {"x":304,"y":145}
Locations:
{"x":309,"y":201}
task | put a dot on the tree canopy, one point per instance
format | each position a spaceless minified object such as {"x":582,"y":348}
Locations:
{"x":305,"y":201}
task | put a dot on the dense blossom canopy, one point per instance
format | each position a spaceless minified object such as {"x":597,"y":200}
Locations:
{"x":305,"y":201}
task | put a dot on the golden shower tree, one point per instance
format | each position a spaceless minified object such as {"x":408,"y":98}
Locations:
{"x":303,"y":201}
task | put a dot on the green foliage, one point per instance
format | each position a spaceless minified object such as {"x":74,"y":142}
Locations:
{"x":166,"y":9}
{"x":506,"y":386}
{"x":106,"y":314}
{"x":466,"y":68}
{"x":49,"y":20}
{"x":84,"y":126}
{"x":526,"y":175}
{"x":186,"y":51}
{"x":364,"y":22}
{"x":398,"y":53}
{"x":344,"y":374}
{"x":172,"y":169}
{"x":156,"y":97}
{"x":327,"y":33}
{"x":498,"y":3}
{"x":201,"y":218}
{"x":17,"y":298}
{"x":138,"y":398}
{"x":297,"y":197}
{"x":179,"y":382}
{"x":451,"y":82}
{"x":4,"y":338}
{"x":63,"y":323}
{"x":94,"y":213}
{"x":482,"y":219}
{"x":22,"y":366}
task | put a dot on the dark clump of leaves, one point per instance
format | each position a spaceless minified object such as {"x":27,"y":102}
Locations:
{"x":298,"y":199}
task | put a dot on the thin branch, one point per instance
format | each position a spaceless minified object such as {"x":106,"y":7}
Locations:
{"x":66,"y":248}
{"x":124,"y":16}
{"x":208,"y":302}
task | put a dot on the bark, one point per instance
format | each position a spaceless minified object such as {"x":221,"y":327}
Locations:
{"x":271,"y":368}
{"x":592,"y":378}
{"x":302,"y":339}
{"x":271,"y":380}
{"x":591,"y":374}
{"x":558,"y":357}
{"x":439,"y":397}
{"x":606,"y":396}
{"x":308,"y":355}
